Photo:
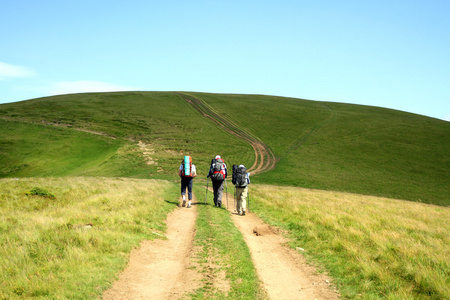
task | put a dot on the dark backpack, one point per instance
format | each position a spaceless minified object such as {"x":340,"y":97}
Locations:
{"x":217,"y":167}
{"x":233,"y":176}
{"x":241,"y":177}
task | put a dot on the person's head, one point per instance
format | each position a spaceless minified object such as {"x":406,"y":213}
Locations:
{"x":218,"y":156}
{"x":241,"y":166}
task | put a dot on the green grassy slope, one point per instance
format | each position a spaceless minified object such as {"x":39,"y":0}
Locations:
{"x":163,"y":120}
{"x":332,"y":146}
{"x":35,"y":150}
{"x":344,"y":147}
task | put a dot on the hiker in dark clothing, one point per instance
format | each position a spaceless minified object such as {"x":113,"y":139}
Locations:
{"x":218,"y":173}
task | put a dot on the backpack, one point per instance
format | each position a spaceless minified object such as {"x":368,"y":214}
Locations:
{"x":241,"y":176}
{"x":218,"y":169}
{"x":233,"y":176}
{"x":187,"y":167}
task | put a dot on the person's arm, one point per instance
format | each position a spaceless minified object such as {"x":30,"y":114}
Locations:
{"x":194,"y":171}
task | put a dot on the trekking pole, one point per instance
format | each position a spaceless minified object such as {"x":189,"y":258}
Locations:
{"x":248,"y":206}
{"x":206,"y":193}
{"x":226,"y":190}
{"x":235,"y":198}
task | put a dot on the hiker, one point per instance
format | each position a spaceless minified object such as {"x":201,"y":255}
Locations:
{"x":241,"y":179}
{"x":187,"y":172}
{"x":218,"y":173}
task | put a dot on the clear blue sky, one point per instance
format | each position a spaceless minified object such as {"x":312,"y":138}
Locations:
{"x":386,"y":53}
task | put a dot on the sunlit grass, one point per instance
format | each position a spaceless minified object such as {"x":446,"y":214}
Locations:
{"x":223,"y":256}
{"x":74,"y":245}
{"x":320,"y":145}
{"x":373,"y":247}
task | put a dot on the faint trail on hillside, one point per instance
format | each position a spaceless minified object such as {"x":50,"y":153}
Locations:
{"x":264,"y":158}
{"x":309,"y":132}
{"x":60,"y":125}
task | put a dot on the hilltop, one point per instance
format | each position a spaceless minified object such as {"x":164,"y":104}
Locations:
{"x":285,"y":141}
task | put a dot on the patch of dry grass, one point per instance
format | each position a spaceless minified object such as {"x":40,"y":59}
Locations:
{"x":72,"y":246}
{"x":374,"y":247}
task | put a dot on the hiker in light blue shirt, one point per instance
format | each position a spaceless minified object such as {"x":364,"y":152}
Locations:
{"x":186,"y":182}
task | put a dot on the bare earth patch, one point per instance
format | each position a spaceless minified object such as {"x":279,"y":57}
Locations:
{"x":161,"y":269}
{"x":283,"y":271}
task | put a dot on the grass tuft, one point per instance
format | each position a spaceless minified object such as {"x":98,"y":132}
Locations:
{"x":36,"y":191}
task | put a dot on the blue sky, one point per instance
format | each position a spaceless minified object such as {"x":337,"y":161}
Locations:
{"x":393,"y":54}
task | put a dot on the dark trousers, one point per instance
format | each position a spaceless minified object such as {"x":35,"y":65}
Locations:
{"x":218,"y":186}
{"x":186,"y":182}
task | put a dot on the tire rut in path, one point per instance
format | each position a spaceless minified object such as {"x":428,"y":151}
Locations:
{"x":159,"y":269}
{"x":284,"y":272}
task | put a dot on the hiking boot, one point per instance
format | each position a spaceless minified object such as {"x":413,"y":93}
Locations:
{"x":243,"y":213}
{"x":219,"y":205}
{"x":184,"y":203}
{"x":189,"y":205}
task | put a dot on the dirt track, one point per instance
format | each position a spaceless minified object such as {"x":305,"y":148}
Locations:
{"x":284,"y":271}
{"x":161,"y":269}
{"x":264,"y":158}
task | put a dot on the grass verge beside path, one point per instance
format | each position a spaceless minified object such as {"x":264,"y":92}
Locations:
{"x":224,"y":256}
{"x":71,"y":239}
{"x":373,"y":247}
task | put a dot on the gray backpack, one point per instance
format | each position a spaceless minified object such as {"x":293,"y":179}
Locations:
{"x":241,"y":177}
{"x":217,"y":169}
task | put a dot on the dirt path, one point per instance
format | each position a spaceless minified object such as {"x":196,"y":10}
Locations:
{"x":264,"y":158}
{"x":161,"y":269}
{"x":284,"y":272}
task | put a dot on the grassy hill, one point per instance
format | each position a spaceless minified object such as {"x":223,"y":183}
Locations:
{"x":373,"y":247}
{"x":322,"y":145}
{"x":117,"y":121}
{"x":344,"y":147}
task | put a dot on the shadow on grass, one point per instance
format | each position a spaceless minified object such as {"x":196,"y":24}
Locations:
{"x":177,"y":203}
{"x":172,"y":202}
